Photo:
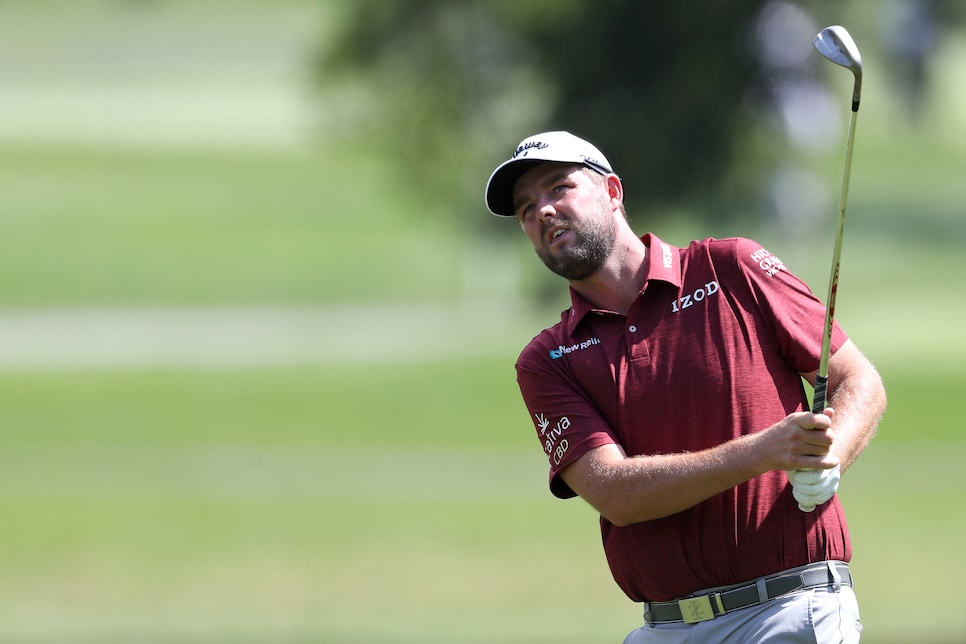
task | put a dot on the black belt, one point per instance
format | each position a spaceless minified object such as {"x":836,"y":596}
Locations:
{"x":702,"y":607}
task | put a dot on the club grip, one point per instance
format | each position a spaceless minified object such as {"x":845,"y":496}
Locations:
{"x":821,"y":388}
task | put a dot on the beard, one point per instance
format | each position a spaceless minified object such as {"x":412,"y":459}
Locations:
{"x":592,"y":244}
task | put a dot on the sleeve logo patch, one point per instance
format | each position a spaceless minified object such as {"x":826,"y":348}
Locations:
{"x":767,"y":262}
{"x":554,"y":446}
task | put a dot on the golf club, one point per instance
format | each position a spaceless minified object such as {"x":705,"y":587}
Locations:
{"x":835,"y":44}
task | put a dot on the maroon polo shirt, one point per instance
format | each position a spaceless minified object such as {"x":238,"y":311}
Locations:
{"x":710,"y":350}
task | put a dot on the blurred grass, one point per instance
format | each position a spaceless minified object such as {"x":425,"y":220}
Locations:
{"x":286,"y":505}
{"x":126,"y":228}
{"x":437,"y":404}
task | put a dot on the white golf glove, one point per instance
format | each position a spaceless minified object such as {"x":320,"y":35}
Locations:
{"x":814,"y":487}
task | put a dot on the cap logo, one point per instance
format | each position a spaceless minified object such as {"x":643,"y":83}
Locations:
{"x":526,"y":147}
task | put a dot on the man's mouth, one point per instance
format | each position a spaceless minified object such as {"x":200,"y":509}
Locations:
{"x":556,"y":234}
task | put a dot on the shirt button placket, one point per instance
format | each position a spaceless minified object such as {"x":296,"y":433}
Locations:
{"x":637,"y":345}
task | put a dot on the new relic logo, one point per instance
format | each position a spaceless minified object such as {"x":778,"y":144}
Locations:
{"x":561,"y":351}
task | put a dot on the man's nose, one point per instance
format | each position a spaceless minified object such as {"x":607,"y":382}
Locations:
{"x":546,"y":209}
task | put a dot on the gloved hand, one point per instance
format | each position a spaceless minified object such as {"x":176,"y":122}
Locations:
{"x":814,"y":487}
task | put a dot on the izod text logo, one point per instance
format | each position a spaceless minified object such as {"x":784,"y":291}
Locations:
{"x":688,"y":300}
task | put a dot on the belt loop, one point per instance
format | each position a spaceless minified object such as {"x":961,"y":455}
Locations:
{"x":718,"y":603}
{"x":762,"y":591}
{"x":836,"y":578}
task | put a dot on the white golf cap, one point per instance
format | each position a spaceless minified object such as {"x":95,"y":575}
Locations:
{"x":557,"y":147}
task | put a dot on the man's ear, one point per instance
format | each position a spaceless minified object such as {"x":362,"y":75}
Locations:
{"x":615,"y":189}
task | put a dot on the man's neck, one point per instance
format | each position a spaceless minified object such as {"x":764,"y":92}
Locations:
{"x":618,"y":283}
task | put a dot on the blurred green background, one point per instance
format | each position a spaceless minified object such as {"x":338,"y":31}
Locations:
{"x":256,"y":380}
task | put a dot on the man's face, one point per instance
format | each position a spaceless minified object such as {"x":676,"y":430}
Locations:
{"x":566,"y":212}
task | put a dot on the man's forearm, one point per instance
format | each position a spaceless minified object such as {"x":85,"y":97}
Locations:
{"x":859,"y":400}
{"x":628,"y":490}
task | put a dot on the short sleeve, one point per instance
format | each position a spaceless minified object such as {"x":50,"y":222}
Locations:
{"x":568,"y":424}
{"x":796,"y":315}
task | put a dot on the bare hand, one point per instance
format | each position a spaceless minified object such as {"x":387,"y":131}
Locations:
{"x":800,"y":441}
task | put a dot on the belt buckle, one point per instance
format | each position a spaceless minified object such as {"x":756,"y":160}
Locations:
{"x":696,"y":609}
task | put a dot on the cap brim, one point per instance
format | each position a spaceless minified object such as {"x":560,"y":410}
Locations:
{"x":499,"y":189}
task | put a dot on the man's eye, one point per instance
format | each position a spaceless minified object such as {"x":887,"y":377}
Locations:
{"x":559,"y":188}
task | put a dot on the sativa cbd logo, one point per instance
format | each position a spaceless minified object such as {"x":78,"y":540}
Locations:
{"x":554,"y":446}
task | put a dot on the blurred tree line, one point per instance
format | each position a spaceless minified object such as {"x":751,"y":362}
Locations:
{"x":670,"y":91}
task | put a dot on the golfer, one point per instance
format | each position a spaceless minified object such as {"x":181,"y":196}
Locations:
{"x":670,"y":397}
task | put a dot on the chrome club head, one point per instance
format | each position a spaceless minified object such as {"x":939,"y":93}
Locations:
{"x":835,"y":44}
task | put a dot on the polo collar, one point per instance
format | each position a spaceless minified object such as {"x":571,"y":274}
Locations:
{"x":663,"y":265}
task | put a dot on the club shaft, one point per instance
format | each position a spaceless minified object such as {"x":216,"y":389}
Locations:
{"x":821,"y":380}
